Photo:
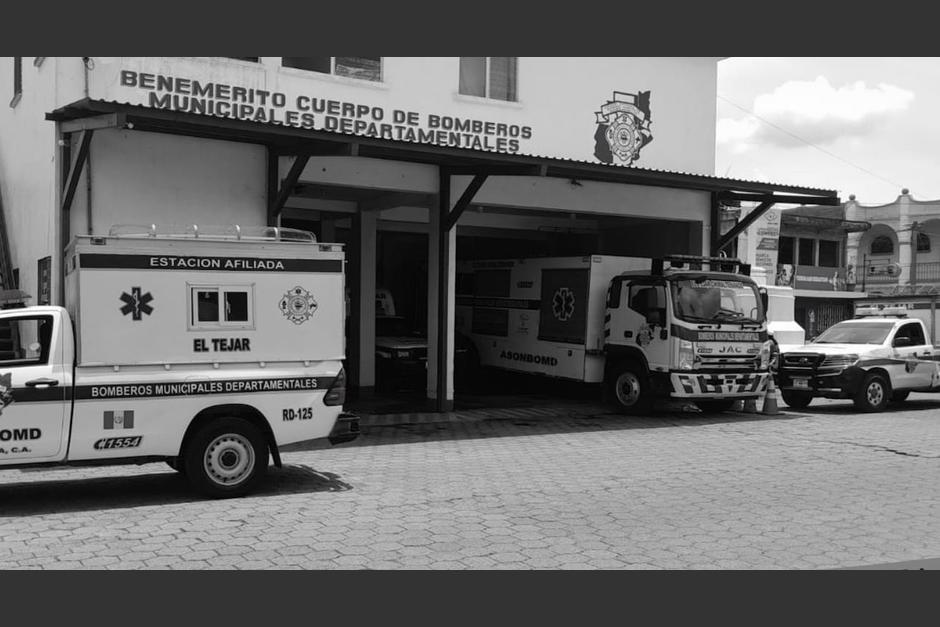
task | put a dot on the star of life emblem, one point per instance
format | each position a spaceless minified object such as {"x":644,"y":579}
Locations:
{"x":563,"y":304}
{"x":298,"y":305}
{"x":623,"y":128}
{"x":136,"y":303}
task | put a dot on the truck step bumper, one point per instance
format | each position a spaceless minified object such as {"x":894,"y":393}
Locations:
{"x":718,"y":385}
{"x":346,"y":429}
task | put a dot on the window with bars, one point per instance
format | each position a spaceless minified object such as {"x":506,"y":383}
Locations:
{"x":923,"y":243}
{"x":828,"y":253}
{"x":786,"y":250}
{"x":363,"y":68}
{"x":806,"y":253}
{"x":489,"y":77}
{"x":882,"y":245}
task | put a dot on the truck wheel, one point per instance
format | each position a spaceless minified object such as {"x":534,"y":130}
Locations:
{"x":627,"y":388}
{"x":796,"y":400}
{"x":715,"y":405}
{"x":900,"y":397}
{"x":874,"y":394}
{"x":226,"y":458}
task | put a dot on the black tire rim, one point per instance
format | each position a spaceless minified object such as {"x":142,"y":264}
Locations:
{"x":627,"y":389}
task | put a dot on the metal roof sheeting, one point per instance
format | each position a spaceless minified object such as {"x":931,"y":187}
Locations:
{"x":172,"y":121}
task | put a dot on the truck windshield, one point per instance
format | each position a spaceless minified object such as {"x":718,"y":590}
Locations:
{"x":855,"y":333}
{"x":709,"y":299}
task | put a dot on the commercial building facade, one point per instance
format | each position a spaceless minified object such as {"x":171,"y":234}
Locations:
{"x":411,"y":162}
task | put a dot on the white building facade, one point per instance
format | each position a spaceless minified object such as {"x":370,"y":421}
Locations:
{"x":602,"y":155}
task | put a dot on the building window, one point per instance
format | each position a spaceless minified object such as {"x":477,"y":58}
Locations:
{"x":785,"y":254}
{"x":806,"y":254}
{"x":923,"y":243}
{"x":216,"y":307}
{"x":363,"y":68}
{"x":488,"y":77}
{"x":828,"y":253}
{"x":17,"y":80}
{"x":882,"y":245}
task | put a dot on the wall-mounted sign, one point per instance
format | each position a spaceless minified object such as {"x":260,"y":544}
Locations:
{"x":44,"y":291}
{"x":308,"y":111}
{"x":763,"y":238}
{"x":811,"y":278}
{"x":623,"y":128}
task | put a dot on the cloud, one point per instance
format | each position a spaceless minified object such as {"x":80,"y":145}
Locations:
{"x":815,"y":112}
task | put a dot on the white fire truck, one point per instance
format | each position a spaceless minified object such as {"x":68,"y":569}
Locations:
{"x":206,"y":350}
{"x":643,"y":327}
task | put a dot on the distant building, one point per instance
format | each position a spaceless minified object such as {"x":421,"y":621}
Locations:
{"x":900,"y":254}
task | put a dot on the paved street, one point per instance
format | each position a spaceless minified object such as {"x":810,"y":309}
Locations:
{"x":568,"y":486}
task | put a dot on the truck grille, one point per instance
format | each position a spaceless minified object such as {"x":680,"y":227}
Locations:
{"x":801,"y":361}
{"x":727,"y":363}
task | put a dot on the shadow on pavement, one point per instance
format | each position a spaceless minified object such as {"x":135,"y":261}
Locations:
{"x":54,"y":496}
{"x":472,"y":425}
{"x":847,"y":408}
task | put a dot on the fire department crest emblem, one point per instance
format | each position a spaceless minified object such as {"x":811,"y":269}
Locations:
{"x":623,"y":128}
{"x":6,"y":390}
{"x":298,"y":305}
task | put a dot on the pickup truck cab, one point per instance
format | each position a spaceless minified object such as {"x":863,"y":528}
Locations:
{"x":879,"y":356}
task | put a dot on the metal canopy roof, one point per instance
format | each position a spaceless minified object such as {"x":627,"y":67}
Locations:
{"x":89,"y":114}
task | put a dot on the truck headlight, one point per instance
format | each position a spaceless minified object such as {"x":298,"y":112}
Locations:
{"x":763,"y":362}
{"x":686,"y":355}
{"x":839,"y":361}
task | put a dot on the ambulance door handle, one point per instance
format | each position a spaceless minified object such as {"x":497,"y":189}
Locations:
{"x":43,"y":382}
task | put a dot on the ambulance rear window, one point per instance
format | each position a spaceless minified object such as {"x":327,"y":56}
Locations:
{"x":218,"y":306}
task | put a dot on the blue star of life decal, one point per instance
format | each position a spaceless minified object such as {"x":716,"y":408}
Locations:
{"x":136,"y":304}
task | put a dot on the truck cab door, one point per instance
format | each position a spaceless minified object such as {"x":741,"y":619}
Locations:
{"x":646,"y":321}
{"x":910,"y":346}
{"x":34,"y":385}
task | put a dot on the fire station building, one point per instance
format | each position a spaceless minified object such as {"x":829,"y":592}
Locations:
{"x":412,"y":163}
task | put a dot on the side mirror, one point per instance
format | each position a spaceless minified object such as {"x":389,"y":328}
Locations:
{"x":763,"y":299}
{"x":902,"y":341}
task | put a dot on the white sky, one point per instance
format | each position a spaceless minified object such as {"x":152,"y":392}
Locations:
{"x":863,"y":126}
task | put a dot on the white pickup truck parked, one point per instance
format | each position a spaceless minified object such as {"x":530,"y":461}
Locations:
{"x":881,"y":355}
{"x":206,"y":351}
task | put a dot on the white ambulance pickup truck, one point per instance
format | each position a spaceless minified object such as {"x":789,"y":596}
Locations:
{"x":206,"y":350}
{"x":880,"y":356}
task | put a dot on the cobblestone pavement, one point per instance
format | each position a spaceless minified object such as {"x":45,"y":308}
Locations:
{"x":568,"y":486}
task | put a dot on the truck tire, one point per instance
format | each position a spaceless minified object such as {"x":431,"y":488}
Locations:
{"x":628,"y":389}
{"x":874,"y":394}
{"x":796,"y":400}
{"x":715,"y":405}
{"x":226,"y":458}
{"x":177,"y":465}
{"x":900,"y":397}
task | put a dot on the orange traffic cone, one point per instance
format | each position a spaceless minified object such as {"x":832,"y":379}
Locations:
{"x":750,"y":406}
{"x":771,"y":406}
